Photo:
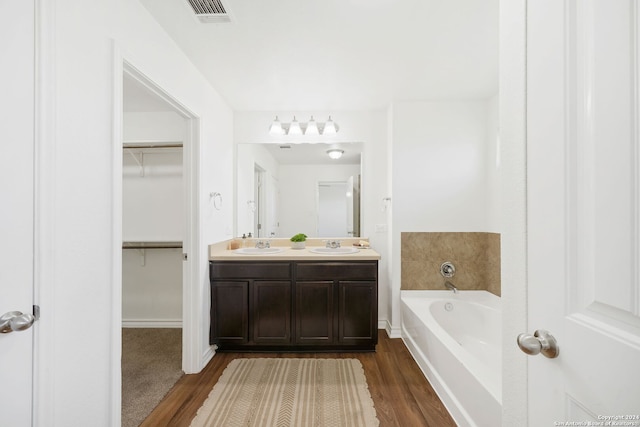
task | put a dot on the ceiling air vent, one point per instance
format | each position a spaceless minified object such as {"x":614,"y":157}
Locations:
{"x":210,"y":11}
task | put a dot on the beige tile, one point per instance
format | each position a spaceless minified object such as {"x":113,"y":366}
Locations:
{"x":476,"y":257}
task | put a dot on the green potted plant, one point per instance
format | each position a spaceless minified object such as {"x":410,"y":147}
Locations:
{"x":297,"y":241}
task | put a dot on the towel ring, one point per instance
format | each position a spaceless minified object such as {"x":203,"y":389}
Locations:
{"x":217,"y":200}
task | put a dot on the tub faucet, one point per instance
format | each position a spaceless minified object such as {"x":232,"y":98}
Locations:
{"x":450,"y":285}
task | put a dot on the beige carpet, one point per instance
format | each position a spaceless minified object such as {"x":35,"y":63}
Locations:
{"x":151,"y":365}
{"x":289,"y":392}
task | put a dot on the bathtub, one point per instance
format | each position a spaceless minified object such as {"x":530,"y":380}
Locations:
{"x":456,"y":341}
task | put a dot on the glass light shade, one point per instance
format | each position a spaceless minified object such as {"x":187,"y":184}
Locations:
{"x":276,"y":128}
{"x":329,"y":127}
{"x":294,"y":127}
{"x":312,"y":127}
{"x":335,"y":154}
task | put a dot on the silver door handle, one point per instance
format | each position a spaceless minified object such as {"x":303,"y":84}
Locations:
{"x":14,"y":321}
{"x":540,"y":342}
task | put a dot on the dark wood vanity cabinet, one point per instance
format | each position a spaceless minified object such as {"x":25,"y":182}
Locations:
{"x":270,"y":312}
{"x":250,"y":303}
{"x":294,"y":306}
{"x":230,"y":319}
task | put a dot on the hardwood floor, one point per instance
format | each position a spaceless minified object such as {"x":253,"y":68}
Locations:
{"x":401,"y":394}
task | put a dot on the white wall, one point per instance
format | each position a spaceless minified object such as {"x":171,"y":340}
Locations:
{"x":152,"y":288}
{"x":80,"y":297}
{"x":439,"y":166}
{"x":494,"y":168}
{"x":439,"y":172}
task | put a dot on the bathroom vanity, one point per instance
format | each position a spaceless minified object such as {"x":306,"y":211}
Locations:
{"x":294,"y":300}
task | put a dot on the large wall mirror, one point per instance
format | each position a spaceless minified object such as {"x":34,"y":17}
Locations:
{"x":285,"y":189}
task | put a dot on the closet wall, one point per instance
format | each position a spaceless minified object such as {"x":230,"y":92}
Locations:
{"x":153,"y":219}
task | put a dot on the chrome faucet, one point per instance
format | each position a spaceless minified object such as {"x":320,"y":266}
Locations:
{"x":333,"y":244}
{"x":450,"y":285}
{"x":263,"y":244}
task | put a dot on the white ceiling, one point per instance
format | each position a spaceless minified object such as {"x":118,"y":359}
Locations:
{"x":297,"y":55}
{"x":303,"y":55}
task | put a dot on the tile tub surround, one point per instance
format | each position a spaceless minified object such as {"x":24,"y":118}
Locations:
{"x":476,"y":257}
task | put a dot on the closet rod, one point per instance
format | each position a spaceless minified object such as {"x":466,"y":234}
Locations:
{"x":138,"y":146}
{"x":151,"y":245}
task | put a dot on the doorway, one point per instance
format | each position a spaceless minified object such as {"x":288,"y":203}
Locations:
{"x":171,"y":212}
{"x":339,"y":208}
{"x":333,"y":209}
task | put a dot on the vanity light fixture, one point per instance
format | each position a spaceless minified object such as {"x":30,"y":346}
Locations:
{"x":294,"y":127}
{"x":335,"y":154}
{"x":330,"y":127}
{"x":276,"y":128}
{"x":301,"y":128}
{"x":312,"y":128}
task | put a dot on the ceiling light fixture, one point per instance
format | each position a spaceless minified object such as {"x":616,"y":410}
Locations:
{"x":335,"y":154}
{"x":298,"y":128}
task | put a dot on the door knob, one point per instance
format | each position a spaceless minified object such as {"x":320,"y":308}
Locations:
{"x":14,"y":321}
{"x":540,"y":342}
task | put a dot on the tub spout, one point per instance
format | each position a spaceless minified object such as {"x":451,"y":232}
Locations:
{"x":450,"y":285}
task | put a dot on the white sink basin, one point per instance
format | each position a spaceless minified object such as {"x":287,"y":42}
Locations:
{"x":334,"y":251}
{"x":258,"y":251}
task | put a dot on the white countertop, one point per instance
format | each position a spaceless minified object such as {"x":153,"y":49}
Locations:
{"x":221,"y":252}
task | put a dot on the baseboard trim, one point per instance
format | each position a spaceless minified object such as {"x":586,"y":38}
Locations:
{"x":208,"y":355}
{"x":393,"y":332}
{"x":152,"y":323}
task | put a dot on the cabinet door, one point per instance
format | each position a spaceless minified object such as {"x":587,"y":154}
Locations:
{"x":271,"y":311}
{"x":314,"y":312}
{"x":229,"y":312}
{"x":358,"y":312}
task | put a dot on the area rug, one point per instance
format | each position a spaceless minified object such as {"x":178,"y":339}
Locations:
{"x":289,"y":392}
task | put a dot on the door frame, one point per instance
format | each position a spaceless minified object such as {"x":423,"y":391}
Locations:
{"x":513,"y":157}
{"x":44,"y":341}
{"x":192,"y":310}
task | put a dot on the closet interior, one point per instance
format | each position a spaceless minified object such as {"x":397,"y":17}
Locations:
{"x":152,"y":221}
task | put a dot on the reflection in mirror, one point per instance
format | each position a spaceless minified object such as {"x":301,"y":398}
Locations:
{"x":285,"y":189}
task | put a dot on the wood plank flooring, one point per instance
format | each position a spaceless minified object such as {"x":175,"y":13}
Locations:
{"x":401,"y":394}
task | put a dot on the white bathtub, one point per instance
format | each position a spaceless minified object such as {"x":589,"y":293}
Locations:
{"x":456,"y":340}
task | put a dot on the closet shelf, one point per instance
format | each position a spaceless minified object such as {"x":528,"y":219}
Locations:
{"x":151,"y":245}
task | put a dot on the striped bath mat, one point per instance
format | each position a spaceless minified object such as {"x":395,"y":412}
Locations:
{"x":289,"y":392}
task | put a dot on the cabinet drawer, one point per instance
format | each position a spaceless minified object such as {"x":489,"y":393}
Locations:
{"x":339,"y":270}
{"x":249,"y":270}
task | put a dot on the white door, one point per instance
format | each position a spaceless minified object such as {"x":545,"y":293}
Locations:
{"x":332,"y":209}
{"x":583,"y":209}
{"x":16,"y":211}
